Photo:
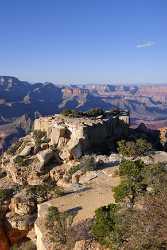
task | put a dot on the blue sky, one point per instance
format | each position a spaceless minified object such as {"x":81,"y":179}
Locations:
{"x":103,"y":41}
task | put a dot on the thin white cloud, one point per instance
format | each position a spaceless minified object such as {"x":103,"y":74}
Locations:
{"x":145,"y":44}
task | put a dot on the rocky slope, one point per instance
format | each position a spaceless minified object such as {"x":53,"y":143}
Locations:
{"x":40,"y":166}
{"x":61,"y":163}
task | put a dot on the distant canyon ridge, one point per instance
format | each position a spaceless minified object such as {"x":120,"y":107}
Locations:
{"x":21,"y":102}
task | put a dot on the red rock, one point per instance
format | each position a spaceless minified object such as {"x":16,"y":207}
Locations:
{"x":4,"y":242}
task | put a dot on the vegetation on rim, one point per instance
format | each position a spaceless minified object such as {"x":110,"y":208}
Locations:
{"x":138,"y":220}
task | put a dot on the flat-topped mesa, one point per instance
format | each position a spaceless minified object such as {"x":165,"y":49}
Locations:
{"x":73,"y":137}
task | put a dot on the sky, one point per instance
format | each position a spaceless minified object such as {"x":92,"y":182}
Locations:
{"x":84,"y":41}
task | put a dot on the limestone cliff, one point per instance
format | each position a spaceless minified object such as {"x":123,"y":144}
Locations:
{"x":73,"y":137}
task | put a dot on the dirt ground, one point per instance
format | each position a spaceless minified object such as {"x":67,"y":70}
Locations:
{"x":97,"y":193}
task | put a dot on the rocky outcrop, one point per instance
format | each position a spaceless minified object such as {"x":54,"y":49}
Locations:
{"x":22,"y":223}
{"x":45,"y":156}
{"x":26,"y":151}
{"x":47,"y":159}
{"x":73,"y":137}
{"x":21,"y":204}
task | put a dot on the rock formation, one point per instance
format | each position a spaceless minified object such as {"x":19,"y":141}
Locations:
{"x":40,"y":166}
{"x":73,"y":137}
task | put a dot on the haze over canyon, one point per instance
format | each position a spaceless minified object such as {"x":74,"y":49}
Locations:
{"x":21,"y":102}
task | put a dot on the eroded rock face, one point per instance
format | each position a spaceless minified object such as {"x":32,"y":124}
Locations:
{"x":22,"y":205}
{"x":73,"y":137}
{"x":26,"y":151}
{"x":21,"y":222}
{"x":18,"y":174}
{"x":49,"y":159}
{"x":57,"y":173}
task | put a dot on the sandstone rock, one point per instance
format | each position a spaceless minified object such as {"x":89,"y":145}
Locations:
{"x":18,"y":174}
{"x":64,"y":184}
{"x":88,"y":245}
{"x":45,"y":156}
{"x":150,"y":189}
{"x":57,"y":133}
{"x":21,"y":204}
{"x":26,"y":151}
{"x":74,"y":136}
{"x":88,"y":176}
{"x":35,"y":179}
{"x":31,"y":235}
{"x":57,"y":173}
{"x":76,"y":176}
{"x":80,"y":245}
{"x":104,"y":161}
{"x":44,"y":146}
{"x":21,"y":222}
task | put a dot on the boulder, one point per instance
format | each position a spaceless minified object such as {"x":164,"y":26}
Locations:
{"x":35,"y":179}
{"x":45,"y":156}
{"x":21,"y":222}
{"x":57,"y":173}
{"x":18,"y":174}
{"x":73,"y":150}
{"x":21,"y":204}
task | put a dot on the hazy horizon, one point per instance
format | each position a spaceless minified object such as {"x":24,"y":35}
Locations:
{"x":83,"y":83}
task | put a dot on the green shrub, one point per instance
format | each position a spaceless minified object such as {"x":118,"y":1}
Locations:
{"x":25,"y":245}
{"x":58,"y":191}
{"x":94,"y":112}
{"x":90,"y":113}
{"x":59,"y":225}
{"x":132,"y":169}
{"x":71,"y":113}
{"x":135,"y":227}
{"x":134,"y":149}
{"x":13,"y":149}
{"x":104,"y":226}
{"x":40,"y":192}
{"x":22,"y":161}
{"x":121,"y":191}
{"x":132,"y":183}
{"x":5,"y":194}
{"x":74,"y":169}
{"x":39,"y":137}
{"x":87,"y":163}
